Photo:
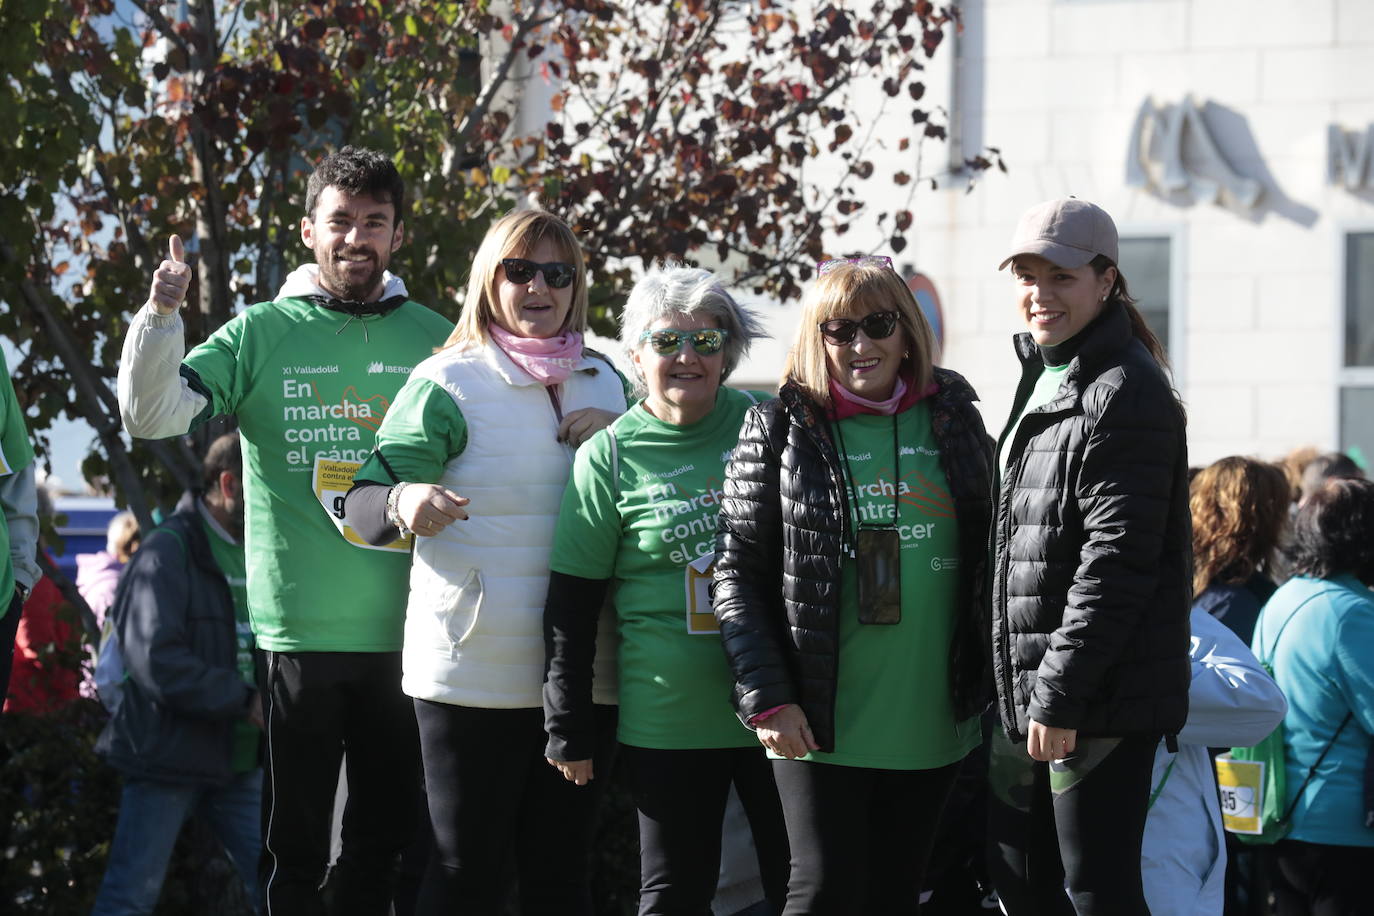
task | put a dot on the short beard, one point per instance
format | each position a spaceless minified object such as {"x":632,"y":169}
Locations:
{"x":333,"y":282}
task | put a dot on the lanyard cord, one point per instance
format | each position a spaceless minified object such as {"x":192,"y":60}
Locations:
{"x":849,"y":472}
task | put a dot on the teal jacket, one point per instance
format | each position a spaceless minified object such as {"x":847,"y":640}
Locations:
{"x":1324,"y":663}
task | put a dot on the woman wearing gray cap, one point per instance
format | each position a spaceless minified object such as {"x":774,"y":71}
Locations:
{"x":1091,"y":576}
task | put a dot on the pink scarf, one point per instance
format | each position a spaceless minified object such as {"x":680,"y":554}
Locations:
{"x":548,"y":361}
{"x":845,"y":403}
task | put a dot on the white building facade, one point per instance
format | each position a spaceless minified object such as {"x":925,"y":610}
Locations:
{"x":1233,"y":143}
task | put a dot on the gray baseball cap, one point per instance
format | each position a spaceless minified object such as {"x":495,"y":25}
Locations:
{"x":1068,"y":232}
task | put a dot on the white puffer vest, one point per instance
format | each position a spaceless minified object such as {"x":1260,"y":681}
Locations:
{"x":475,"y":622}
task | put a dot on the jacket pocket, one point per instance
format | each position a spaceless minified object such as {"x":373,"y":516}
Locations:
{"x":458,"y":609}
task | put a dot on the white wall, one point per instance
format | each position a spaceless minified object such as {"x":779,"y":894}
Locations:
{"x":1057,"y":84}
{"x":1062,"y":81}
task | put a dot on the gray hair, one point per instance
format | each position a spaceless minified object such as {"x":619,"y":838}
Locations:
{"x":672,"y":289}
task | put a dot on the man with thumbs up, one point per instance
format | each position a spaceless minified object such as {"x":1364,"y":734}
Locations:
{"x":309,"y":377}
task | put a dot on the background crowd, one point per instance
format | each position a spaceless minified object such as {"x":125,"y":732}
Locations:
{"x":958,"y":672}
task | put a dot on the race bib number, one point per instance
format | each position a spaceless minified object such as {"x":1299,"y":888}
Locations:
{"x":332,"y":479}
{"x":1241,"y":786}
{"x":700,"y":620}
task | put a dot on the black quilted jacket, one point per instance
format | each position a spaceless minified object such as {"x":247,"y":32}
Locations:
{"x":782,"y":533}
{"x":1093,"y":570}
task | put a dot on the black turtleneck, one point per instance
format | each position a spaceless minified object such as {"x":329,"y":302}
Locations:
{"x":1062,"y":353}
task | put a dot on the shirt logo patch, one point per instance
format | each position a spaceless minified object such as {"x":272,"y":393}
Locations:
{"x":380,"y":367}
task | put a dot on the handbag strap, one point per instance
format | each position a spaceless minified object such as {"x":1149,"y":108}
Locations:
{"x":1269,"y":663}
{"x":1274,"y":650}
{"x":1313,"y":769}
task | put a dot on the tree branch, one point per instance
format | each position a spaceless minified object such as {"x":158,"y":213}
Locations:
{"x":458,"y":139}
{"x":91,"y":393}
{"x":160,"y":22}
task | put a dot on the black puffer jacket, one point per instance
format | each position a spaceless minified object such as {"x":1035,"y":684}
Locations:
{"x":1092,"y":579}
{"x":782,"y":534}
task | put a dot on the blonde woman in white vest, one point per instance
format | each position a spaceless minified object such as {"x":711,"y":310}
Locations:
{"x":472,"y":460}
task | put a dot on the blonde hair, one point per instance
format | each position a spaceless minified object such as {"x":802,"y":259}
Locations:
{"x":852,"y":291}
{"x":515,"y":235}
{"x":122,"y":536}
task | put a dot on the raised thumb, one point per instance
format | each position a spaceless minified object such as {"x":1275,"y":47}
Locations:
{"x":175,"y":251}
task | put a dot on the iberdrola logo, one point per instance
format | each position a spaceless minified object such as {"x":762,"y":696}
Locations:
{"x":379,"y":367}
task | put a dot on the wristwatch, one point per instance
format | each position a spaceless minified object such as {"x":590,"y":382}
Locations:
{"x":23,"y":591}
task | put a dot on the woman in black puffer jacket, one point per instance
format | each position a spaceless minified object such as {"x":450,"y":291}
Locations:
{"x":851,"y":589}
{"x":1091,"y":576}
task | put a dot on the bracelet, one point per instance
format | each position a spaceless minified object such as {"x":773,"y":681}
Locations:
{"x":393,"y":514}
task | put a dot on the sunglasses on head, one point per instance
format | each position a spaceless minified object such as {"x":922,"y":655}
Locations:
{"x":875,"y":326}
{"x":556,"y":273}
{"x":868,"y":260}
{"x":667,"y":341}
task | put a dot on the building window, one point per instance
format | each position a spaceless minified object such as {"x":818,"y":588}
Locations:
{"x":1145,"y":261}
{"x":1357,"y":433}
{"x":1356,"y":406}
{"x":1359,"y":299}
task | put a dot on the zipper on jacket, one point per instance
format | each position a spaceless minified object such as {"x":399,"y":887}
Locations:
{"x":556,"y":403}
{"x":1002,"y":527}
{"x":846,"y":547}
{"x":1020,"y":436}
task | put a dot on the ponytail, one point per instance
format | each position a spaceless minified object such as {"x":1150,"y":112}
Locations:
{"x":1120,"y":294}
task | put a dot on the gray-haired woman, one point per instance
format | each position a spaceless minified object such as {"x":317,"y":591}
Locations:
{"x":639,"y":516}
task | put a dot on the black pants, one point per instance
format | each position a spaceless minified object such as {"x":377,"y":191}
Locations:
{"x":321,"y":707}
{"x":860,"y":837}
{"x":1088,"y":833}
{"x":680,"y":796}
{"x":1314,"y":879}
{"x":492,"y":793}
{"x":9,"y":627}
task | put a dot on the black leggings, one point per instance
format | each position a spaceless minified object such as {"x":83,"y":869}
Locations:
{"x":1314,"y":879}
{"x":680,"y":796}
{"x":860,"y":837}
{"x":1088,"y":834}
{"x":492,"y":793}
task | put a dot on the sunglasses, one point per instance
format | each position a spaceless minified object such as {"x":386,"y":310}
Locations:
{"x":876,"y":326}
{"x":667,"y":341}
{"x":556,"y":273}
{"x":868,"y":260}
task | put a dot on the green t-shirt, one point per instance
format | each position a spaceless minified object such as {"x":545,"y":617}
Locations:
{"x":1046,"y":387}
{"x":16,"y":453}
{"x":640,"y":509}
{"x":424,"y":431}
{"x":310,"y":387}
{"x":893,"y":709}
{"x":229,"y":557}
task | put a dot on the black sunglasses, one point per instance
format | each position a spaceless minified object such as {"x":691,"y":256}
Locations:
{"x":556,"y":273}
{"x":875,"y":327}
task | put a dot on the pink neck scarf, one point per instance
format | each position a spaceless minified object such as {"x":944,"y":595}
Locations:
{"x":845,"y":403}
{"x":548,"y":361}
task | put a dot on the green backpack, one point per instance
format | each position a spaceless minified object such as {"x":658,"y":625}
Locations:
{"x":1273,"y":815}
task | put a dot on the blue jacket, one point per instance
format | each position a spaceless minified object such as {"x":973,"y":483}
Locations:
{"x":1324,"y":663}
{"x":1231,"y":702}
{"x":174,"y":615}
{"x":1238,"y":605}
